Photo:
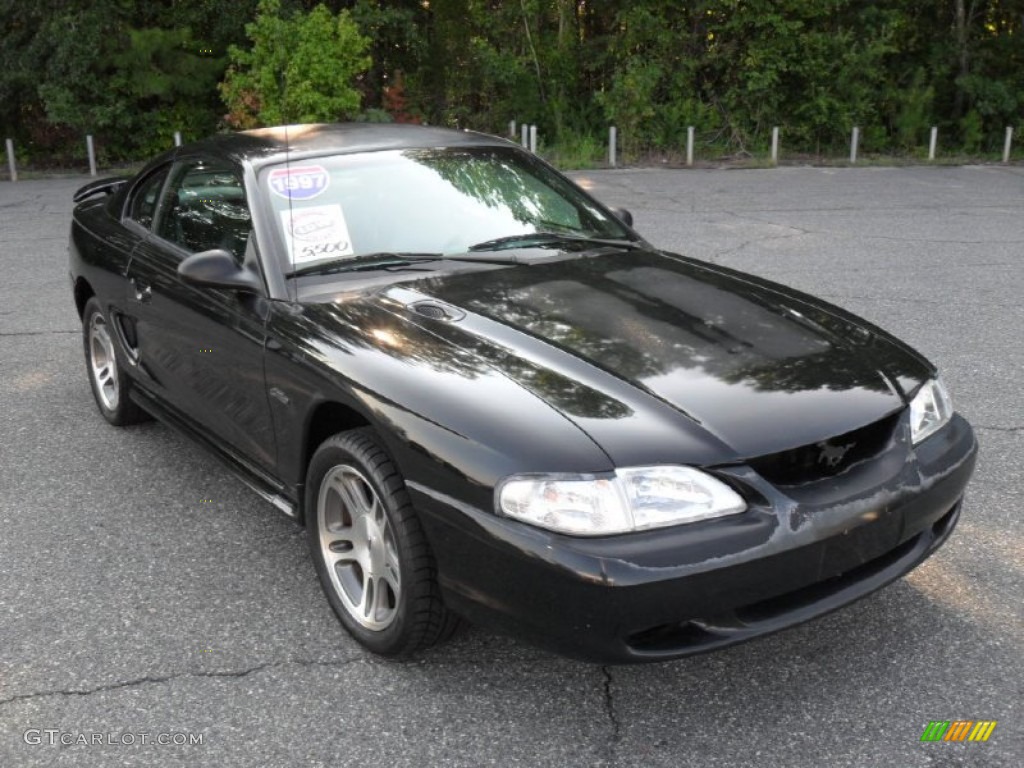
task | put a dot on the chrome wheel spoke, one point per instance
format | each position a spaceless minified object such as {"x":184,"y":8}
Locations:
{"x":351,"y":496}
{"x":381,"y":601}
{"x":366,"y":604}
{"x":375,"y":603}
{"x":391,"y":569}
{"x":376,"y":511}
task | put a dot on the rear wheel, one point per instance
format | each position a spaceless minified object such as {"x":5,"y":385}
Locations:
{"x":369,"y":549}
{"x":110,"y":385}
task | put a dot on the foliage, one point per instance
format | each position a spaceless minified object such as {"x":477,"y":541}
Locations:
{"x":132,"y":73}
{"x":142,"y":86}
{"x":374,"y":115}
{"x":300,"y":69}
{"x":913,"y":114}
{"x":579,"y":151}
{"x":129,"y":75}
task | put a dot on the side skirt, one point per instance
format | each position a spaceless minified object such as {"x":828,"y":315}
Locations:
{"x":259,"y":481}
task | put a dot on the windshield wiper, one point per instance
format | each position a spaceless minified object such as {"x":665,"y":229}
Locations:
{"x":382,"y":260}
{"x":549,"y":239}
{"x":388,"y":260}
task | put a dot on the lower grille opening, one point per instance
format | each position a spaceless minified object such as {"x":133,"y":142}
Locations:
{"x":792,"y":601}
{"x":667,"y":637}
{"x":941,"y":526}
{"x":760,"y":616}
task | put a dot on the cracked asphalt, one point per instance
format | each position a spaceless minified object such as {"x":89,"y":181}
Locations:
{"x":129,"y":604}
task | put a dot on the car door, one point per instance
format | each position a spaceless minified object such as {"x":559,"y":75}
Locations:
{"x":131,"y":219}
{"x":200,"y":349}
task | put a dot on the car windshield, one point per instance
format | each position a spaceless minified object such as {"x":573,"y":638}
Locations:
{"x":441,"y":201}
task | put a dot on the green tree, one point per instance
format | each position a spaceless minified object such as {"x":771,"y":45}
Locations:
{"x":396,"y":29}
{"x":299,"y":69}
{"x":133,"y":88}
{"x":129,"y":74}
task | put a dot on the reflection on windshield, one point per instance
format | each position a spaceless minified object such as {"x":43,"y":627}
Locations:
{"x":422,"y":200}
{"x":501,"y":184}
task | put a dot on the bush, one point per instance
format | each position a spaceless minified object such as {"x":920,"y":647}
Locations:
{"x":298,"y":70}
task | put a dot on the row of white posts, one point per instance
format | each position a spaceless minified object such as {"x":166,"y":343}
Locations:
{"x":90,"y":150}
{"x":529,"y":141}
{"x":528,"y":135}
{"x":933,"y":140}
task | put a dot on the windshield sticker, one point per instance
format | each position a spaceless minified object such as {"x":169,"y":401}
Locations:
{"x":316,"y":233}
{"x":301,"y":183}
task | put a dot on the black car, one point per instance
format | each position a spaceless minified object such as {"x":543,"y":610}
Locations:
{"x":485,"y":396}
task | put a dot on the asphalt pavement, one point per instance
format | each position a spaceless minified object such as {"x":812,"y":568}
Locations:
{"x":145,"y":594}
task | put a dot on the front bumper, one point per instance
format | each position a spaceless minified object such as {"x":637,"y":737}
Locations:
{"x":797,"y":553}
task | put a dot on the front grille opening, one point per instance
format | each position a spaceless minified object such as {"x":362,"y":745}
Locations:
{"x":827,"y":458}
{"x":790,"y":602}
{"x":765,"y":615}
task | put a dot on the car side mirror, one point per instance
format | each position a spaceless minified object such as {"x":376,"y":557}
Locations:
{"x":624,"y":216}
{"x":218,"y":269}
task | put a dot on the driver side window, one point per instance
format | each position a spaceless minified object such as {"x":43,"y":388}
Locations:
{"x":206,"y":209}
{"x":145,"y":198}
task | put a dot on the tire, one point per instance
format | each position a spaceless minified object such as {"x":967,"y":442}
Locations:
{"x":369,"y":549}
{"x":110,"y":385}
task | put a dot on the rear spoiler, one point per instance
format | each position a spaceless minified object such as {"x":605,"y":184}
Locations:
{"x":106,"y":186}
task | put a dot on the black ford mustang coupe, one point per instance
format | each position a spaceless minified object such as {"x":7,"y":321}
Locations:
{"x":485,"y":396}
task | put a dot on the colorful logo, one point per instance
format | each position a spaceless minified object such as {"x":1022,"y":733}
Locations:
{"x":958,"y":730}
{"x":303,"y":183}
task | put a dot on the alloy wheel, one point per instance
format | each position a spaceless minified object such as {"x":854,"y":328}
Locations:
{"x":358,"y":547}
{"x":102,"y":362}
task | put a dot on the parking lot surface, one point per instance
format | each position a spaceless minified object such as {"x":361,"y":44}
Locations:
{"x":144,"y":590}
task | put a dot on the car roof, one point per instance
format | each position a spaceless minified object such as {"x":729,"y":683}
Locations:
{"x":267,"y":145}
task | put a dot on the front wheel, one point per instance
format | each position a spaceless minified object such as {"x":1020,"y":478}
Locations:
{"x":369,"y":549}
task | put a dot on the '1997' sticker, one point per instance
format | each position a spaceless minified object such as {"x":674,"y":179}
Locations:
{"x":302,"y":183}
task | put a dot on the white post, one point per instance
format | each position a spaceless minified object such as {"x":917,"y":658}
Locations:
{"x":511,"y":129}
{"x":533,"y":139}
{"x":10,"y":160}
{"x":526,"y":136}
{"x":775,"y":145}
{"x":932,"y":142}
{"x":92,"y":154}
{"x":612,"y":137}
{"x":1006,"y":144}
{"x":177,"y":138}
{"x":689,"y":145}
{"x":854,"y":140}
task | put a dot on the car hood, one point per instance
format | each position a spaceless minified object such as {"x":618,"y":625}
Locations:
{"x":658,"y":357}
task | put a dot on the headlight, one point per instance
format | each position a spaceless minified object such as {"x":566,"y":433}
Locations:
{"x":930,"y":410}
{"x":629,"y":500}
